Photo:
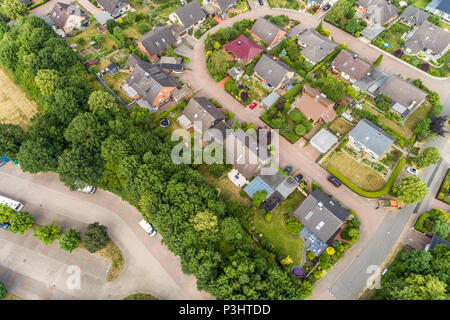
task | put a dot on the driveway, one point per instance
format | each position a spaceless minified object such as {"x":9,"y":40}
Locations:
{"x":149,"y":265}
{"x":89,"y":7}
{"x":183,"y":50}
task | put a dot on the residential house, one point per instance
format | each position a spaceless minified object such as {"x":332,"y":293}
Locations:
{"x":156,"y":42}
{"x":224,"y":5}
{"x":322,"y":220}
{"x":295,"y":31}
{"x":236,"y":73}
{"x":243,"y":48}
{"x":171,"y":64}
{"x":210,"y":9}
{"x":273,"y":72}
{"x":405,"y":96}
{"x":323,"y":140}
{"x":112,"y":68}
{"x":350,"y":66}
{"x":115,"y":8}
{"x":200,"y":109}
{"x":134,"y":60}
{"x":441,"y":8}
{"x":377,"y":11}
{"x":315,"y":106}
{"x":371,"y":82}
{"x":367,"y":137}
{"x":267,"y":31}
{"x":430,"y":40}
{"x":149,"y":85}
{"x":277,"y":185}
{"x":435,"y":241}
{"x":315,"y":47}
{"x":371,"y":32}
{"x":68,"y":17}
{"x":413,"y":16}
{"x":190,"y":15}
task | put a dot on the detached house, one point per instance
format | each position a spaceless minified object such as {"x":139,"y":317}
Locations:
{"x":351,"y":67}
{"x":377,"y":11}
{"x":367,"y":137}
{"x":224,"y":5}
{"x":430,"y":40}
{"x":115,"y":8}
{"x":405,"y":96}
{"x":315,"y":106}
{"x":441,"y":8}
{"x":156,"y":42}
{"x":68,"y":17}
{"x":315,"y":47}
{"x":202,"y":110}
{"x":243,"y":48}
{"x":268,"y":32}
{"x":274,"y":73}
{"x":413,"y":16}
{"x":322,"y":220}
{"x":149,"y":84}
{"x":190,"y":15}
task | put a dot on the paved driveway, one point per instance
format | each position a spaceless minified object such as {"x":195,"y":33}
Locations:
{"x":90,"y":8}
{"x":149,"y":265}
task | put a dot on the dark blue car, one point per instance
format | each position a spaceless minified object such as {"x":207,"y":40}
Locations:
{"x":298,"y":177}
{"x":261,"y":2}
{"x":4,"y":226}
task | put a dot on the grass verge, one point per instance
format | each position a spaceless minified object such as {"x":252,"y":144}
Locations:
{"x":140,"y":296}
{"x":113,"y":253}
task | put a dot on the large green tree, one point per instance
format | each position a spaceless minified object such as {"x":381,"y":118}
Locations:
{"x":46,"y":81}
{"x":14,"y":9}
{"x":5,"y":213}
{"x":411,"y":190}
{"x":39,"y":155}
{"x":418,"y":287}
{"x":11,"y":137}
{"x":48,"y":234}
{"x":96,"y":237}
{"x":428,"y":156}
{"x":85,"y":129}
{"x":70,"y":240}
{"x":100,"y":100}
{"x":21,"y":222}
{"x":334,"y":89}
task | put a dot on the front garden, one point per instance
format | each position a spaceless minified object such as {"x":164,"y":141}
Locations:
{"x":342,"y":15}
{"x":435,"y":221}
{"x":444,"y":191}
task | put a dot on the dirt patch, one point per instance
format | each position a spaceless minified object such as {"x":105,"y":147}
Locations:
{"x":113,"y":253}
{"x":15,"y":107}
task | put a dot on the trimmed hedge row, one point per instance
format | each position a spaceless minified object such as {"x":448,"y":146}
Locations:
{"x":420,"y":221}
{"x":370,"y":194}
{"x":37,"y":4}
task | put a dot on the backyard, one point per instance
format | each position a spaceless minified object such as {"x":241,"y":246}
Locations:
{"x":444,"y":191}
{"x":276,"y":233}
{"x":83,"y":39}
{"x":392,"y":37}
{"x":358,"y":173}
{"x":114,"y":81}
{"x":341,"y":126}
{"x":420,"y":4}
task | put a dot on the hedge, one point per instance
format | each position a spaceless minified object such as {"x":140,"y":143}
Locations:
{"x":370,"y":194}
{"x":419,"y":223}
{"x":37,"y":4}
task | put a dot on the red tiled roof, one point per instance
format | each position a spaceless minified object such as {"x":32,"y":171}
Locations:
{"x":243,"y":48}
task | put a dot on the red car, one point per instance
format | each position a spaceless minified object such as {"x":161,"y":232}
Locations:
{"x":253,"y":105}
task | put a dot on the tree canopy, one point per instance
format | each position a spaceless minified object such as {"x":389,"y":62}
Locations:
{"x":410,"y":190}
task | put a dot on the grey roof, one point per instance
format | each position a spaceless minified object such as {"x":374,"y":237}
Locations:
{"x":403,"y":92}
{"x":444,"y":6}
{"x":429,"y":36}
{"x":317,"y":46}
{"x":352,"y":65}
{"x":273,"y":180}
{"x":225,"y":4}
{"x":157,"y":40}
{"x":323,"y":140}
{"x":373,"y":31}
{"x":436,"y":240}
{"x":102,"y":18}
{"x":171,"y":60}
{"x":414,"y":15}
{"x":201,"y":109}
{"x":287,"y":187}
{"x":266,"y":30}
{"x":371,"y":137}
{"x":148,"y":82}
{"x":190,"y":14}
{"x":272,"y":71}
{"x":270,"y":99}
{"x":295,"y":31}
{"x":372,"y":82}
{"x":210,"y":8}
{"x":272,"y":201}
{"x":219,"y":134}
{"x":380,"y":11}
{"x":135,"y":60}
{"x":322,"y":215}
{"x":235,"y":72}
{"x":62,"y":11}
{"x":113,"y":6}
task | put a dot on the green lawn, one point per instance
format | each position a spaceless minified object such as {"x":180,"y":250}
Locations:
{"x":275,"y":231}
{"x":88,"y":35}
{"x":341,"y":126}
{"x":358,"y":173}
{"x":392,"y":36}
{"x":421,"y":4}
{"x":114,"y":81}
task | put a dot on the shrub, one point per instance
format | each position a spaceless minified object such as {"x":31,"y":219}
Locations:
{"x":268,"y":217}
{"x":311,"y":256}
{"x":70,"y":240}
{"x":21,"y":222}
{"x":96,"y":237}
{"x":293,"y":226}
{"x":48,"y":234}
{"x":398,"y":53}
{"x":3,"y":291}
{"x":425,"y":66}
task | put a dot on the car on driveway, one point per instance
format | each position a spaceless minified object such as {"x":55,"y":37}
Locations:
{"x":261,"y":2}
{"x":147,"y":227}
{"x":253,"y":105}
{"x":326,"y":8}
{"x":335,"y":181}
{"x":4,"y":226}
{"x":88,"y":189}
{"x":298,"y":177}
{"x":288,"y":170}
{"x":413,"y":171}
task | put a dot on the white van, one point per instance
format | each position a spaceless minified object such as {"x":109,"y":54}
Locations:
{"x":88,"y":189}
{"x":148,"y":228}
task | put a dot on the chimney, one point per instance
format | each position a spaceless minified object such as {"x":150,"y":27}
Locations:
{"x":239,"y":42}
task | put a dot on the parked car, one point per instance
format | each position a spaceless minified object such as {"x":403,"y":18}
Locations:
{"x":288,"y":170}
{"x":253,"y":105}
{"x":261,"y":2}
{"x":88,"y":189}
{"x":298,"y":177}
{"x":412,"y":171}
{"x":335,"y":181}
{"x":327,"y":7}
{"x":4,"y":226}
{"x":148,"y":228}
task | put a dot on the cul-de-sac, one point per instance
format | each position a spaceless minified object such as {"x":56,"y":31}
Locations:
{"x":224,"y":150}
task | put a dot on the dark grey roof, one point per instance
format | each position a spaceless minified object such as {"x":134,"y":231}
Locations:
{"x":429,"y":36}
{"x":403,"y":92}
{"x":380,"y":11}
{"x":414,"y":15}
{"x":266,"y":30}
{"x":322,"y":215}
{"x":26,"y":2}
{"x":372,"y":31}
{"x":190,"y":14}
{"x":372,"y":82}
{"x":201,"y":109}
{"x":225,"y":4}
{"x":273,"y":201}
{"x":157,"y":40}
{"x":148,"y":82}
{"x":273,"y":180}
{"x":444,"y":6}
{"x":372,"y":137}
{"x":48,"y":20}
{"x":436,"y":240}
{"x":272,"y":71}
{"x":172,"y":66}
{"x":135,"y":60}
{"x":62,"y":11}
{"x":317,"y":46}
{"x":295,"y":31}
{"x":113,"y":6}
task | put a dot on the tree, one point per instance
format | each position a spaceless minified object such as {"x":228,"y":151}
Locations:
{"x":419,"y":287}
{"x":86,"y":129}
{"x":96,"y":237}
{"x":268,"y":217}
{"x":14,"y":9}
{"x":378,"y":61}
{"x":101,"y":100}
{"x":5,"y":213}
{"x":441,"y":228}
{"x":436,"y":110}
{"x":46,"y":80}
{"x":334,"y":89}
{"x":330,"y":251}
{"x":39,"y":155}
{"x":218,"y":63}
{"x":352,"y":26}
{"x":428,"y":156}
{"x":204,"y":220}
{"x":21,"y":222}
{"x":293,"y":226}
{"x":339,"y":10}
{"x":258,"y":197}
{"x":433,"y":97}
{"x":410,"y":190}
{"x":3,"y":291}
{"x":422,"y":129}
{"x":70,"y":240}
{"x":111,"y":24}
{"x":11,"y":137}
{"x":435,"y":19}
{"x":300,"y":129}
{"x":48,"y":234}
{"x":287,"y":261}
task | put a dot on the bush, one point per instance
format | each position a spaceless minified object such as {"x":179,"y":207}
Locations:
{"x":21,"y":222}
{"x":268,"y":217}
{"x":48,"y":234}
{"x":70,"y":240}
{"x":311,"y":256}
{"x":293,"y":226}
{"x":3,"y":291}
{"x":96,"y":237}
